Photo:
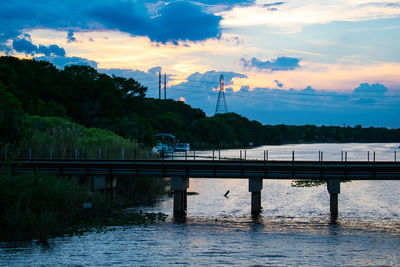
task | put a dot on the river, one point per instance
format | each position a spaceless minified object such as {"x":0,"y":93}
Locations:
{"x":294,"y":228}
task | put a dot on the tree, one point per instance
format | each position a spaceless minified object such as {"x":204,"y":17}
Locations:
{"x":13,"y":123}
{"x":130,"y":87}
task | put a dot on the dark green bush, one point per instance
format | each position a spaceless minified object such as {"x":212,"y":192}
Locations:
{"x":38,"y":206}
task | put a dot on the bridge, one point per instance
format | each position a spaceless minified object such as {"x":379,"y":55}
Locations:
{"x":180,"y":170}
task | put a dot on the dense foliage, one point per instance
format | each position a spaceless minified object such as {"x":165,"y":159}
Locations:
{"x":85,"y":96}
{"x":64,"y":136}
{"x":35,"y":206}
{"x":13,"y":123}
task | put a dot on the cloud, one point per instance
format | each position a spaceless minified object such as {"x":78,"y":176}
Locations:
{"x":280,"y":85}
{"x":278,"y":64}
{"x":52,"y":50}
{"x":367,"y":94}
{"x":227,"y":2}
{"x":70,"y":37}
{"x":212,"y":77}
{"x":273,"y":4}
{"x":297,"y":14}
{"x":379,"y":4}
{"x":185,"y":21}
{"x":24,"y":45}
{"x":60,"y":62}
{"x":224,"y":5}
{"x":162,"y":22}
{"x":367,"y":90}
{"x":154,"y":70}
{"x":124,"y":16}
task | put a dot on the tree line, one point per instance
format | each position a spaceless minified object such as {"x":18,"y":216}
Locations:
{"x":84,"y":96}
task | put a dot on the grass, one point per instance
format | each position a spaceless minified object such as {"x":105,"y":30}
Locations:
{"x":63,"y":139}
{"x":37,"y":206}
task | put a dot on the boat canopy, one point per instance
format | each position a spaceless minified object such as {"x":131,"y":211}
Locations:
{"x":165,"y":135}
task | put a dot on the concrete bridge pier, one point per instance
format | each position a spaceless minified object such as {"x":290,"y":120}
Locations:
{"x":334,"y":191}
{"x":180,"y":185}
{"x":255,"y":187}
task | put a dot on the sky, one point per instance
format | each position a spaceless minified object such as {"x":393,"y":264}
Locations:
{"x":284,"y":62}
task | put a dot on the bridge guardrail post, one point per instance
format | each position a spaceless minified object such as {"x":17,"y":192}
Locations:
{"x":374,"y":156}
{"x":368,"y":156}
{"x":219,"y":154}
{"x":122,"y":154}
{"x":395,"y":156}
{"x":30,"y":153}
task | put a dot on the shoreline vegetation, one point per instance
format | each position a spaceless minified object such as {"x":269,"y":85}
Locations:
{"x":37,"y":206}
{"x":78,"y":107}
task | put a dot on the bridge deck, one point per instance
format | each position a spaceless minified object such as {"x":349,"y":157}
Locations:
{"x":313,"y":170}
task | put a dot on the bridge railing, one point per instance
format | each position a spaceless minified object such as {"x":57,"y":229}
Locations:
{"x":285,"y":154}
{"x":71,"y":153}
{"x":120,"y":153}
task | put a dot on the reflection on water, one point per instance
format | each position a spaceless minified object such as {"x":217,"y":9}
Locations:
{"x":294,"y":228}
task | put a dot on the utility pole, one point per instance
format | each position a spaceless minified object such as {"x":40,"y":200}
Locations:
{"x":221,"y":107}
{"x":165,"y":86}
{"x":159,"y":85}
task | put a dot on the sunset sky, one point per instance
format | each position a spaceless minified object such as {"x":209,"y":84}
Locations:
{"x":293,"y":62}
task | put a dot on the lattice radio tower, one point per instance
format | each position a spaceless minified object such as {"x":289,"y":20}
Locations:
{"x":221,"y":102}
